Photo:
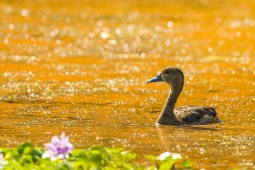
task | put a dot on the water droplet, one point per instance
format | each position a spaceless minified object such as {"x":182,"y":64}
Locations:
{"x":112,"y":42}
{"x":170,"y":24}
{"x":210,"y":49}
{"x":6,"y":41}
{"x":11,"y":26}
{"x":238,"y":33}
{"x":104,"y":35}
{"x":8,"y":9}
{"x":24,"y":13}
{"x":118,"y":31}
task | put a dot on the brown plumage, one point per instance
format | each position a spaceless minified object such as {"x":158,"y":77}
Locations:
{"x":184,"y":114}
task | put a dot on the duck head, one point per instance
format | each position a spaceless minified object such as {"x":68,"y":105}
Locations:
{"x":170,"y":75}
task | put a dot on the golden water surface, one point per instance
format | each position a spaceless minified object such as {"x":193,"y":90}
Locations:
{"x":81,"y":67}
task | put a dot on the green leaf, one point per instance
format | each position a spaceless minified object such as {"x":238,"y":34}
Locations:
{"x":13,"y":165}
{"x":36,"y":154}
{"x":78,"y":153}
{"x":81,"y":165}
{"x":99,"y":148}
{"x":187,"y":164}
{"x":166,"y":165}
{"x":24,"y":146}
{"x":151,"y":157}
{"x":96,"y":156}
{"x":65,"y":166}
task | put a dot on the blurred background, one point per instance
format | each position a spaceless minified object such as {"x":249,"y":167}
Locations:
{"x":81,"y":67}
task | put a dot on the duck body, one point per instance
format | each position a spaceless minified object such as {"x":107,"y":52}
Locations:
{"x":196,"y":114}
{"x":184,"y":114}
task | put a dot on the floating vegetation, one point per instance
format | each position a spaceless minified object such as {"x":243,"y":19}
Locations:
{"x":61,"y":155}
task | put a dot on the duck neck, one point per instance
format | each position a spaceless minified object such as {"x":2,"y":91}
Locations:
{"x":167,"y":115}
{"x":168,"y":109}
{"x":170,"y":102}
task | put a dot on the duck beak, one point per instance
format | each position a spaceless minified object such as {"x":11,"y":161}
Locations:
{"x":155,"y":79}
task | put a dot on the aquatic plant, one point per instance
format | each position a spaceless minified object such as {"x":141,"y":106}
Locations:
{"x":28,"y":156}
{"x":58,"y":148}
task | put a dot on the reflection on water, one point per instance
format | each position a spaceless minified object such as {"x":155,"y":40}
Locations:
{"x":81,"y":67}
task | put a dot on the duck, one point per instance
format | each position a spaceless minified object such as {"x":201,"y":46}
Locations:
{"x":183,"y":115}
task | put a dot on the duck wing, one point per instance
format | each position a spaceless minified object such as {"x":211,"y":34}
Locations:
{"x":196,"y":114}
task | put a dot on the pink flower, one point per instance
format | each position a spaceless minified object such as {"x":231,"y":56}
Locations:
{"x":58,"y":148}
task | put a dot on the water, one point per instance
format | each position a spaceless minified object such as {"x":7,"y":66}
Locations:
{"x":82,"y":67}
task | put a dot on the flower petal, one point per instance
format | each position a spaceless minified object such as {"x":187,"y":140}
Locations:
{"x":66,"y":144}
{"x":48,"y":154}
{"x":63,"y":136}
{"x":55,"y":140}
{"x":70,"y":146}
{"x":51,"y":147}
{"x":61,"y":156}
{"x":165,"y":155}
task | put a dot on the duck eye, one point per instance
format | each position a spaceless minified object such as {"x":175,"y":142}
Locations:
{"x":166,"y":72}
